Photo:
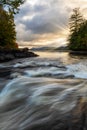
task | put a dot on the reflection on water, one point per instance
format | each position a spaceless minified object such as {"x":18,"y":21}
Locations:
{"x":62,"y":56}
{"x":40,"y":92}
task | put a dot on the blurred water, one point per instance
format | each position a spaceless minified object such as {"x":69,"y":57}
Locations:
{"x":39,"y":91}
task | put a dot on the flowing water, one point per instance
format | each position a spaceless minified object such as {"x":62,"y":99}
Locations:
{"x":39,"y":91}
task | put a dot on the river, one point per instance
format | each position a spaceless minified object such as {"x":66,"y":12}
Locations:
{"x":42,"y":90}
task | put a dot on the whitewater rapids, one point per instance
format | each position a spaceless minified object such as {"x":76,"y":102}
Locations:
{"x":42,"y":93}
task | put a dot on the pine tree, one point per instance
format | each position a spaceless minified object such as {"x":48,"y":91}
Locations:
{"x":7,"y":29}
{"x":76,"y":20}
{"x":76,"y":30}
{"x":12,"y":5}
{"x":83,"y":36}
{"x":7,"y":25}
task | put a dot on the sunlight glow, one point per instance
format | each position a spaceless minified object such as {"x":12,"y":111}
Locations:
{"x":34,"y":32}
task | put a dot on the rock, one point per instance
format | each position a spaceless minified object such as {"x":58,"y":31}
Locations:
{"x":79,"y":115}
{"x":84,"y":53}
{"x":10,"y":54}
{"x":26,"y":105}
{"x":5,"y":72}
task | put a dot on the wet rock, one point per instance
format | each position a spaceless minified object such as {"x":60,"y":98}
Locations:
{"x":10,"y":54}
{"x":5,"y":72}
{"x":63,"y":76}
{"x":78,"y":53}
{"x":79,"y":115}
{"x":27,"y":105}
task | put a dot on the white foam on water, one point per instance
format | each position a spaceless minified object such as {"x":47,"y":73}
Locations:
{"x":46,"y":71}
{"x":32,"y":100}
{"x":79,"y":70}
{"x":26,"y":103}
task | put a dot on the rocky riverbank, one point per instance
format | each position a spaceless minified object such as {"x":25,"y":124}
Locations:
{"x":11,"y":54}
{"x":78,"y":53}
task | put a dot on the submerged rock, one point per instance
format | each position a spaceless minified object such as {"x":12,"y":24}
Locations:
{"x":5,"y":72}
{"x":79,"y":115}
{"x":43,"y":104}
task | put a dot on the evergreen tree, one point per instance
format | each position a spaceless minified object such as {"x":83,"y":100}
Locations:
{"x":82,"y":33}
{"x":76,"y":20}
{"x":12,"y":5}
{"x":7,"y":25}
{"x":7,"y":29}
{"x":78,"y":31}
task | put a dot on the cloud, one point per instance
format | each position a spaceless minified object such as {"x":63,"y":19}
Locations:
{"x":42,"y":20}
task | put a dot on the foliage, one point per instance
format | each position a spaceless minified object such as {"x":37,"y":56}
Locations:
{"x":7,"y":26}
{"x":7,"y":29}
{"x":12,"y":5}
{"x":76,"y":20}
{"x":78,"y":31}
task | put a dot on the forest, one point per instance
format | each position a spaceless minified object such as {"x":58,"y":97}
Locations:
{"x":78,"y":31}
{"x":7,"y":26}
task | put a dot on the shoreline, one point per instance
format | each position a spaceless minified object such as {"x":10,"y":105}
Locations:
{"x":11,"y":54}
{"x":83,"y":53}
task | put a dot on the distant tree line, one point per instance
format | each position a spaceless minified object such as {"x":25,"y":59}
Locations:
{"x":7,"y":26}
{"x":78,"y":31}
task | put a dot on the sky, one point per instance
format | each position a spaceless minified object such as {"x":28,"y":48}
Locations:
{"x":45,"y":22}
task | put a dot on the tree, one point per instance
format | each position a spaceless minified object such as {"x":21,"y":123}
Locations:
{"x":83,"y":36}
{"x":77,"y":33}
{"x":7,"y":29}
{"x":7,"y":26}
{"x":12,"y":5}
{"x":76,"y":20}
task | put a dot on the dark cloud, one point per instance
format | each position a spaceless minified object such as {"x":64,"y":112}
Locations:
{"x":43,"y":17}
{"x":40,"y":25}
